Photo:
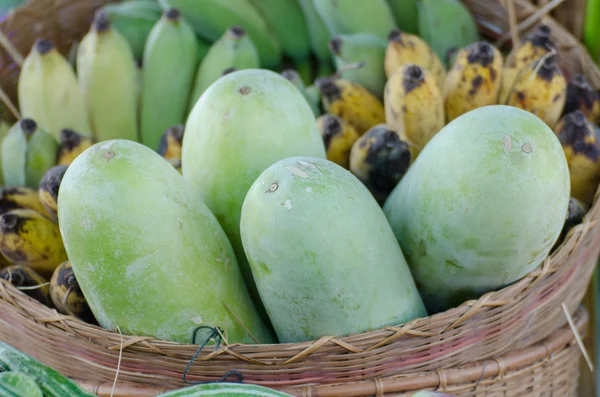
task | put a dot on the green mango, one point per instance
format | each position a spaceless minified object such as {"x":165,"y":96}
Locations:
{"x":150,"y":257}
{"x":482,"y":205}
{"x":323,"y":255}
{"x":243,"y":123}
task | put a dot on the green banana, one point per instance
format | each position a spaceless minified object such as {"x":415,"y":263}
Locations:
{"x":48,"y":91}
{"x":286,"y":21}
{"x":294,"y":77}
{"x":211,"y":18}
{"x":170,"y":62}
{"x":318,"y":36}
{"x":356,"y":16}
{"x":27,"y":153}
{"x":234,"y":49}
{"x":406,"y":13}
{"x":107,"y":74}
{"x":447,"y":26}
{"x":134,"y":19}
{"x":591,"y":29}
{"x":366,"y":48}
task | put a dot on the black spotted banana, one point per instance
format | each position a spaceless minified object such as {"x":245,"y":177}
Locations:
{"x":351,"y":102}
{"x":27,"y":153}
{"x":48,"y":189}
{"x":66,"y":294}
{"x":14,"y":197}
{"x":414,"y":106}
{"x":165,"y":95}
{"x":338,"y":137}
{"x":581,"y":96}
{"x":29,"y":238}
{"x":235,"y":50}
{"x":582,"y":150}
{"x":171,"y":142}
{"x":49,"y":93}
{"x":211,"y":18}
{"x":541,"y":89}
{"x":351,"y":49}
{"x":380,"y":158}
{"x":355,"y":16}
{"x":474,"y":80}
{"x":72,"y":144}
{"x":29,"y":282}
{"x":295,"y":78}
{"x":404,"y":48}
{"x":531,"y":49}
{"x":318,"y":36}
{"x":107,"y":74}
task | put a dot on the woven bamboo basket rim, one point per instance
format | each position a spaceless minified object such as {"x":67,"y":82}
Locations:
{"x":513,"y":317}
{"x":444,"y":380}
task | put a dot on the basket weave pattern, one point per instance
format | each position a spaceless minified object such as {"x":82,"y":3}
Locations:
{"x":515,"y":317}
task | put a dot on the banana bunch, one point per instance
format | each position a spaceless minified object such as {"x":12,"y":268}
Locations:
{"x":234,"y":50}
{"x":66,"y":294}
{"x":338,"y":137}
{"x":71,"y":145}
{"x":48,"y":91}
{"x":170,"y":145}
{"x":474,"y":80}
{"x":28,"y":281}
{"x":581,"y":96}
{"x":582,"y":150}
{"x":379,"y":159}
{"x":541,"y":89}
{"x":351,"y":102}
{"x":313,"y":100}
{"x":27,"y":153}
{"x":18,"y":197}
{"x":405,"y":48}
{"x":414,"y":106}
{"x":171,"y":46}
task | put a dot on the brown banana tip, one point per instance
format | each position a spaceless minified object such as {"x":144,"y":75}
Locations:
{"x":332,"y":124}
{"x":43,"y":46}
{"x":53,"y":186}
{"x":101,"y":21}
{"x":394,"y":35}
{"x":290,"y":74}
{"x":541,"y":37}
{"x":28,"y":126}
{"x":237,"y":32}
{"x":228,"y":70}
{"x":8,"y":221}
{"x":543,"y":30}
{"x":335,"y":45}
{"x":173,"y":14}
{"x":414,"y":73}
{"x":579,"y":81}
{"x":326,"y":85}
{"x":68,"y":137}
{"x":577,"y":118}
{"x":177,"y":132}
{"x":481,"y":53}
{"x":549,"y":62}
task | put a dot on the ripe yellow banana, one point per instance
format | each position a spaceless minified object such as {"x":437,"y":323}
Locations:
{"x":107,"y":75}
{"x":29,"y":238}
{"x":582,"y":150}
{"x":48,"y":190}
{"x":414,"y":106}
{"x":581,"y":96}
{"x":72,"y":144}
{"x":66,"y":294}
{"x":404,"y":48}
{"x":170,"y":143}
{"x":541,"y":89}
{"x":351,"y":102}
{"x":533,"y":47}
{"x":380,"y":158}
{"x":15,"y":197}
{"x":474,"y":79}
{"x":338,"y":137}
{"x":49,"y":93}
{"x":28,"y":281}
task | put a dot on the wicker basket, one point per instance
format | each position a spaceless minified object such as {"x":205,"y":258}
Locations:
{"x":515,"y":317}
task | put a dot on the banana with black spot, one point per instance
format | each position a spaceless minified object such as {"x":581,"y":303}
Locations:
{"x":541,"y":89}
{"x":404,"y":48}
{"x":474,"y":80}
{"x":338,"y":137}
{"x":379,"y":159}
{"x":15,"y":197}
{"x":581,"y":96}
{"x":532,"y":48}
{"x":582,"y":150}
{"x":66,"y":294}
{"x":48,"y":190}
{"x":29,"y":282}
{"x":29,"y":238}
{"x":414,"y":106}
{"x":72,"y":144}
{"x":171,"y":141}
{"x":351,"y":102}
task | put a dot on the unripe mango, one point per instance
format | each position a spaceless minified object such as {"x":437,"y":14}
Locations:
{"x":323,"y":255}
{"x":243,"y":123}
{"x":482,"y":205}
{"x":150,"y":257}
